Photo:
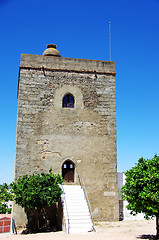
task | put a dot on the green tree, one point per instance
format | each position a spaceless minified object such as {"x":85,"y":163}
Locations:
{"x":35,"y":193}
{"x":141,"y":189}
{"x":5,"y":196}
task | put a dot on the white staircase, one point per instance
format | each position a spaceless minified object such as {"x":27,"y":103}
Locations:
{"x":76,"y":213}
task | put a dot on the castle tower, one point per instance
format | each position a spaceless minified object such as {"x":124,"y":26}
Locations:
{"x":67,"y":120}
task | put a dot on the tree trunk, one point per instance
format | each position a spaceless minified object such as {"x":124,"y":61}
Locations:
{"x":37,"y":220}
{"x":157,"y":226}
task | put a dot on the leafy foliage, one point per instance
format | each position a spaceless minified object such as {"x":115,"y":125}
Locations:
{"x":5,"y":196}
{"x":37,"y":194}
{"x":37,"y":191}
{"x":141,"y":189}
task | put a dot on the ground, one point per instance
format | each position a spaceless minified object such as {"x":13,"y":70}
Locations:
{"x":123,"y":230}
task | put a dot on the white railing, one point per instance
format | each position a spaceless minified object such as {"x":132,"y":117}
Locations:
{"x":81,"y":182}
{"x":65,"y":206}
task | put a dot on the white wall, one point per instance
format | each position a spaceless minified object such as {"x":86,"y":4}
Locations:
{"x":126,"y":212}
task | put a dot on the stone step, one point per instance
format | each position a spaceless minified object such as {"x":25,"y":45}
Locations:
{"x":79,"y":230}
{"x":76,"y":193}
{"x":78,"y":218}
{"x":76,"y":206}
{"x":79,"y":224}
{"x":78,"y":198}
{"x":76,"y":203}
{"x":75,"y":209}
{"x":74,"y":214}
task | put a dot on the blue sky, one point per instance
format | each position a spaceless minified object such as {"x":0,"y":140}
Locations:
{"x":80,"y":29}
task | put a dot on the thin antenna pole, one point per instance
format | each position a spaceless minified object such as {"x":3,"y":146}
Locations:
{"x":110,"y":41}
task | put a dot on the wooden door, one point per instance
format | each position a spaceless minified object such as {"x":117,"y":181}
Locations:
{"x":68,"y":171}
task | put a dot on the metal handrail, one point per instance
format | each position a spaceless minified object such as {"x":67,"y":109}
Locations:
{"x":66,"y":210}
{"x":86,"y":196}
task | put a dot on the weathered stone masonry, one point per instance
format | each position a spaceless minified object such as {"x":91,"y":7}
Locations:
{"x":48,"y":135}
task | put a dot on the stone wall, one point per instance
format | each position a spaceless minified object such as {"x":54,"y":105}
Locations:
{"x":48,"y":134}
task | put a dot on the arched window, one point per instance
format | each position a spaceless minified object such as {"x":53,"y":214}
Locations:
{"x":68,"y":101}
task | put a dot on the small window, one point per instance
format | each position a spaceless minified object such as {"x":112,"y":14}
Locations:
{"x":64,"y":166}
{"x":71,"y":165}
{"x":68,"y":101}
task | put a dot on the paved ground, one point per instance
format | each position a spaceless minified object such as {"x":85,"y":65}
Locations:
{"x":124,"y":230}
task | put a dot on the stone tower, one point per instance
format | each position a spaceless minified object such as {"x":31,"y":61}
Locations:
{"x":67,"y":120}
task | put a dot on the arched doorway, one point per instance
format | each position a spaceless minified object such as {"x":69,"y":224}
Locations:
{"x":68,"y":168}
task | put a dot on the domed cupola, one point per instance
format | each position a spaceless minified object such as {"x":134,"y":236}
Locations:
{"x":51,"y":51}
